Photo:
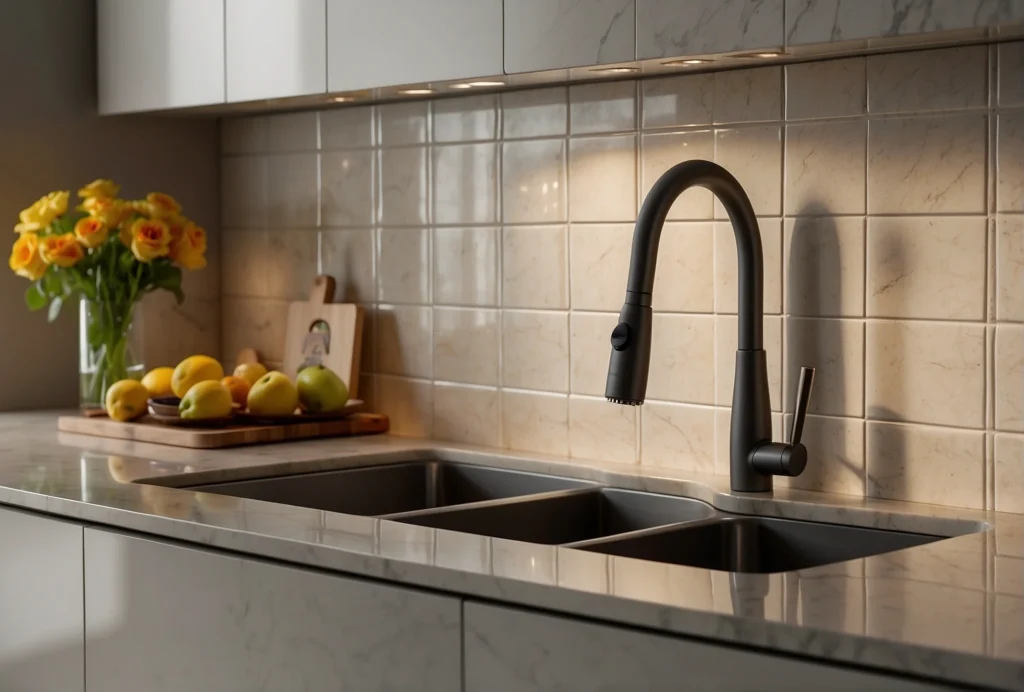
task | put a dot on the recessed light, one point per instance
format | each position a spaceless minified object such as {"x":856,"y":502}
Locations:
{"x":343,"y":99}
{"x":486,"y":84}
{"x":765,"y":54}
{"x":616,"y":70}
{"x":416,"y":92}
{"x":687,"y":61}
{"x":462,"y":86}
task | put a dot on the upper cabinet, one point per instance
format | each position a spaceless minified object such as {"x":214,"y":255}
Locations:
{"x":391,"y":42}
{"x":159,"y":54}
{"x":673,"y":28}
{"x":275,"y":48}
{"x":554,"y":34}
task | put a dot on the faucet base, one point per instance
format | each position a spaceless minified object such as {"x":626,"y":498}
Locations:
{"x":751,"y":423}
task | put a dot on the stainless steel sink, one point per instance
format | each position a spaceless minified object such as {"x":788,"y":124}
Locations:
{"x":395,"y":488}
{"x":758,"y":544}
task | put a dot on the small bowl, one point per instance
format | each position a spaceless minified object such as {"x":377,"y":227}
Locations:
{"x":165,"y":406}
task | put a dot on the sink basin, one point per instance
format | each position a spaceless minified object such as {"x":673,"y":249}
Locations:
{"x":567,"y":517}
{"x":395,"y":488}
{"x":758,"y":544}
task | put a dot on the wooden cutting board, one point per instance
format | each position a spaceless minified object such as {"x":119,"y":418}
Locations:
{"x":321,"y":331}
{"x":147,"y":430}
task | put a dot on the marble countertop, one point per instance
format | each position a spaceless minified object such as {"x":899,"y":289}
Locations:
{"x":950,"y":610}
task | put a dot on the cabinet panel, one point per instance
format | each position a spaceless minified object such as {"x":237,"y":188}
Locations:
{"x":159,"y":54}
{"x":164,"y":617}
{"x":550,"y":34}
{"x":275,"y":48}
{"x":671,"y":28}
{"x":389,"y":42}
{"x":510,"y":650}
{"x":41,"y":629}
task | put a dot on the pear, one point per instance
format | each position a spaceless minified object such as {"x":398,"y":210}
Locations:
{"x":321,"y":390}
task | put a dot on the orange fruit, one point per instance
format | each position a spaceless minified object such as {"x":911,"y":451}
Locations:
{"x":238,"y":387}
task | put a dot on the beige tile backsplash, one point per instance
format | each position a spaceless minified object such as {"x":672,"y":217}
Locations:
{"x":488,"y":238}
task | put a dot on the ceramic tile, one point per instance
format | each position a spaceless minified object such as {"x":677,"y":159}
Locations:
{"x":678,"y":101}
{"x":347,"y":188}
{"x":678,"y":437}
{"x":242,"y":135}
{"x":403,"y":123}
{"x":466,"y":414}
{"x":725,"y":358}
{"x":465,"y":266}
{"x":598,"y":266}
{"x":1009,"y":473}
{"x":535,"y":113}
{"x":348,"y":128}
{"x":409,"y":404}
{"x":1009,"y":154}
{"x":685,"y":278}
{"x":924,"y":464}
{"x":465,"y":186}
{"x":599,"y":429}
{"x":535,"y":266}
{"x":1009,"y":377}
{"x":590,"y":351}
{"x":466,"y":119}
{"x":244,"y":183}
{"x":660,"y":152}
{"x":1010,"y":268}
{"x":533,"y":175}
{"x":293,"y":199}
{"x":826,"y":89}
{"x":172,"y":332}
{"x":682,"y":359}
{"x":404,"y":341}
{"x":726,"y":279}
{"x":403,"y":265}
{"x":254,"y":323}
{"x":925,"y":372}
{"x":535,"y":350}
{"x":267,"y":134}
{"x":835,"y":348}
{"x":754,"y":156}
{"x":269,"y":264}
{"x":466,"y":345}
{"x":602,"y":107}
{"x":944,"y":79}
{"x":824,"y":266}
{"x":835,"y":455}
{"x":927,"y":165}
{"x":535,"y":422}
{"x":825,"y":168}
{"x":348,"y":257}
{"x":368,"y":348}
{"x":927,"y":267}
{"x":748,"y":95}
{"x":402,"y":200}
{"x":603,"y":173}
{"x":1011,"y":73}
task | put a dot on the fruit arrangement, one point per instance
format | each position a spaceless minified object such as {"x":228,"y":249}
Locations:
{"x":204,"y":393}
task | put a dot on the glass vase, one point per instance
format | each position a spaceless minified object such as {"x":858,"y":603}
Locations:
{"x":110,"y":348}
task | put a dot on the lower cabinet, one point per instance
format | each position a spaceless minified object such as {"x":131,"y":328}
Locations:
{"x":163,"y":617}
{"x":41,"y":628}
{"x":508,"y":650}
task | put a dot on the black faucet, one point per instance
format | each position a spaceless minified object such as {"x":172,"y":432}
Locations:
{"x":753,"y":458}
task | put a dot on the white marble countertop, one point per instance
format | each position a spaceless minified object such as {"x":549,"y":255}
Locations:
{"x":950,"y":610}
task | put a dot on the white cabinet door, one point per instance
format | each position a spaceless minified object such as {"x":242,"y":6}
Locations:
{"x":550,"y":34}
{"x":163,"y":617}
{"x":159,"y":54}
{"x":41,"y":629}
{"x":389,"y":42}
{"x":510,"y":650}
{"x":673,"y":28}
{"x":275,"y":48}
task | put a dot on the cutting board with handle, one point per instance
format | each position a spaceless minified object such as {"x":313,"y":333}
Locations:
{"x":323,"y":332}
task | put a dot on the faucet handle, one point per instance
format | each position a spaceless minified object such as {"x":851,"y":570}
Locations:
{"x":803,"y":400}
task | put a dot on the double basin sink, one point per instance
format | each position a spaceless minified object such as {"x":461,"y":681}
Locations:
{"x":551,"y":510}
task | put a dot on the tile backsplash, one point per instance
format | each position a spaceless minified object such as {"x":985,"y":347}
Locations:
{"x":488,"y":238}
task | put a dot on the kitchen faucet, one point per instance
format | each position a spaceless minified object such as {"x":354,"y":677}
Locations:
{"x":753,"y":458}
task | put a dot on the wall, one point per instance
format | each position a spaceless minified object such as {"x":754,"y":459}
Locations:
{"x":51,"y":138}
{"x":488,"y":238}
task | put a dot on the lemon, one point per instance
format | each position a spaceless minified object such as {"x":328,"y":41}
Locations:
{"x":250,"y":372}
{"x":273,"y":395}
{"x":206,"y":399}
{"x":194,"y":370}
{"x":126,"y":400}
{"x":158,"y":382}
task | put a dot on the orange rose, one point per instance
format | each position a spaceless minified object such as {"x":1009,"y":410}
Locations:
{"x":25,"y":258}
{"x":91,"y":232}
{"x":109,"y":211}
{"x":62,"y":250}
{"x":189,"y":248}
{"x":151,"y":238}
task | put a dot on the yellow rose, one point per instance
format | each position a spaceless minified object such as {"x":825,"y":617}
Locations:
{"x":91,"y":232}
{"x":57,"y":202}
{"x":100,"y":187}
{"x":162,"y":206}
{"x":62,"y":250}
{"x":42,"y":213}
{"x":109,"y":211}
{"x":25,"y":258}
{"x":151,"y":238}
{"x":189,"y":248}
{"x":124,"y":231}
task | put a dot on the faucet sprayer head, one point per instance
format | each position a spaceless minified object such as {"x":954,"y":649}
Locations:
{"x":631,"y":352}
